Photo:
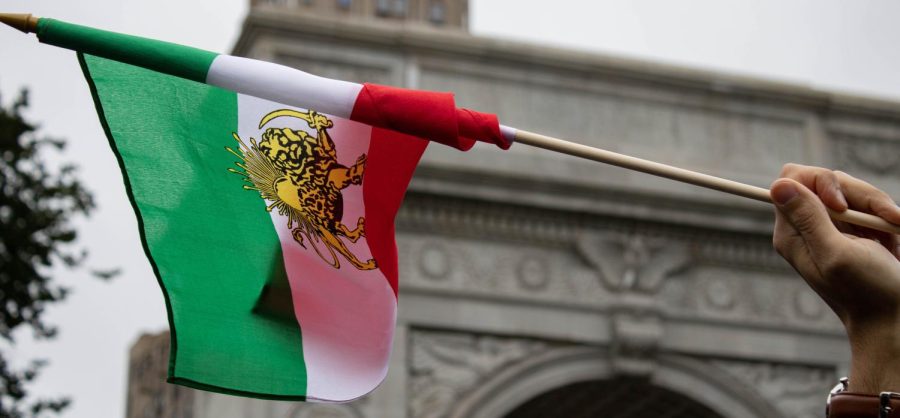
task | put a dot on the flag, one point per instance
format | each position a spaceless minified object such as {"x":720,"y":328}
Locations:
{"x":269,"y":225}
{"x":426,"y":114}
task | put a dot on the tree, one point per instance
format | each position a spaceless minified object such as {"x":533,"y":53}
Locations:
{"x":36,"y":207}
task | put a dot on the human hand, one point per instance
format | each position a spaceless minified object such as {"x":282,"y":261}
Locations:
{"x":855,"y":270}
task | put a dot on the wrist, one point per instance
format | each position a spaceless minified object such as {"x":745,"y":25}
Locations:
{"x":875,"y":355}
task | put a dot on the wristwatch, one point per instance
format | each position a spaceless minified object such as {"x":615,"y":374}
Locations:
{"x":844,"y":404}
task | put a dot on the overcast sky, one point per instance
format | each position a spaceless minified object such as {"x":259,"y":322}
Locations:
{"x":825,"y":44}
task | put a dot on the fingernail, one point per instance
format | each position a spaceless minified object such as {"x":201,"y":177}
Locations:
{"x":783,"y":193}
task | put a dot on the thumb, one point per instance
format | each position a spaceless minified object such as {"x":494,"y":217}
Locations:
{"x":807,"y":214}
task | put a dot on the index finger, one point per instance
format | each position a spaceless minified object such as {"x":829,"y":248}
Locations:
{"x":865,"y":197}
{"x":822,"y":181}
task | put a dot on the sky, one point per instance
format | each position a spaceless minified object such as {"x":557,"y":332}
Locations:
{"x":823,"y":44}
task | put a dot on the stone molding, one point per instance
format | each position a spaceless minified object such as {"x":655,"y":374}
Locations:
{"x":796,"y":390}
{"x":634,"y":269}
{"x":461,"y":375}
{"x":443,"y":367}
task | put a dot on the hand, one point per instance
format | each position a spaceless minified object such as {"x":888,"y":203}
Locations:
{"x":854,"y":269}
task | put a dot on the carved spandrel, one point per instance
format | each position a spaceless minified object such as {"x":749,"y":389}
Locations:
{"x":445,"y":366}
{"x":797,"y":391}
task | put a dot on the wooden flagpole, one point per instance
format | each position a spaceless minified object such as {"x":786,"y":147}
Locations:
{"x":686,"y":176}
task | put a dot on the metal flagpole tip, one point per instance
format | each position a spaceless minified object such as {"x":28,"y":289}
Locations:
{"x":24,"y":22}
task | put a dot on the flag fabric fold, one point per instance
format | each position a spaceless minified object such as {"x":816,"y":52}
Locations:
{"x":265,"y":198}
{"x":426,"y":114}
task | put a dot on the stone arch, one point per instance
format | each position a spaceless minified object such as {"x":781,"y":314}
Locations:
{"x":626,"y":398}
{"x":503,"y":392}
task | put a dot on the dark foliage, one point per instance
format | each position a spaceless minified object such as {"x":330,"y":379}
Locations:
{"x":36,"y":206}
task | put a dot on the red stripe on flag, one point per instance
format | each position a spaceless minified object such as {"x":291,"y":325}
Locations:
{"x":426,"y":114}
{"x":481,"y":126}
{"x":390,"y":164}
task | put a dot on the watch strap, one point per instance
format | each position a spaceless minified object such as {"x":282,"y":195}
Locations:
{"x":858,"y":405}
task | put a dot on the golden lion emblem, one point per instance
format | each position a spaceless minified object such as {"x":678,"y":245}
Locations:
{"x":300,"y":174}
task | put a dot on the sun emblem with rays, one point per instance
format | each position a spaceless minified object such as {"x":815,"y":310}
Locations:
{"x":299,"y":175}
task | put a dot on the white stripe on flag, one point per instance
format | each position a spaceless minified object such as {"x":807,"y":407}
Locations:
{"x":346,"y":315}
{"x":283,"y":85}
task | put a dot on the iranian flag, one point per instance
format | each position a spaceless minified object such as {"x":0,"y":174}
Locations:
{"x":266,"y":200}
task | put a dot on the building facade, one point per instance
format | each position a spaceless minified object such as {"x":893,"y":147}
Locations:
{"x":538,"y":285}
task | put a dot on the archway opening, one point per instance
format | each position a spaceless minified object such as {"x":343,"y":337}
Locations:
{"x":611,"y":399}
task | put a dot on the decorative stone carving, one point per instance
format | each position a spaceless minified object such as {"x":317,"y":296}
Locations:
{"x":867,"y":154}
{"x":444,"y":366}
{"x":632,"y":263}
{"x":757,"y":298}
{"x":636,"y":333}
{"x":739,"y":253}
{"x":797,"y":391}
{"x":635,"y":267}
{"x":434,"y":261}
{"x":533,"y":272}
{"x":729,"y":280}
{"x":553,"y":229}
{"x":721,"y":295}
{"x":499,"y":271}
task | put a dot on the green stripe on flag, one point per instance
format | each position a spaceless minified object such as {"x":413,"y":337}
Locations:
{"x":211,"y":243}
{"x":178,"y":60}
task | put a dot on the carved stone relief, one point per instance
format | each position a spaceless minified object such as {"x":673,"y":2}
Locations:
{"x":533,"y":272}
{"x":797,"y":391}
{"x":485,"y":268}
{"x":444,"y":366}
{"x":435,"y":261}
{"x":856,"y":153}
{"x":635,"y":268}
{"x":636,"y":334}
{"x":737,"y":280}
{"x":747,"y":297}
{"x":632,"y":263}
